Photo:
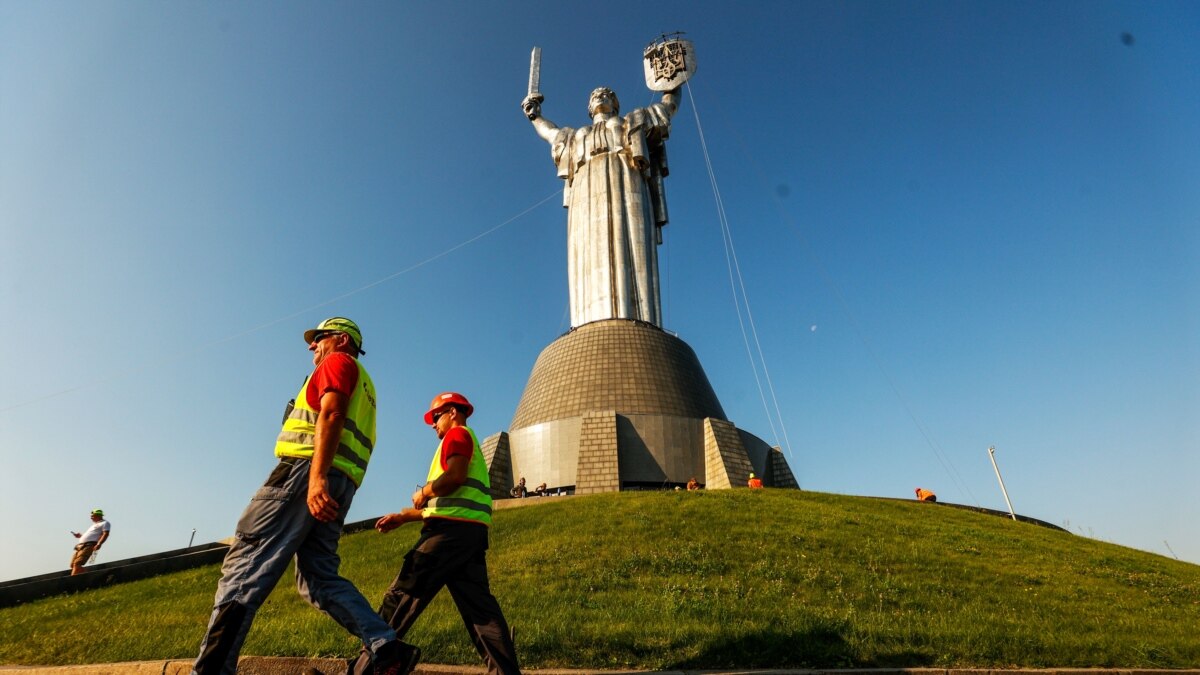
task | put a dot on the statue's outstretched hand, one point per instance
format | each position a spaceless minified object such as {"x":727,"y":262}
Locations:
{"x":532,"y":105}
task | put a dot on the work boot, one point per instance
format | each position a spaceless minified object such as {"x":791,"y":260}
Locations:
{"x":396,"y":658}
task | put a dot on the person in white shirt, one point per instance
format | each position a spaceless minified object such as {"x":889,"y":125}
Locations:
{"x":89,"y":541}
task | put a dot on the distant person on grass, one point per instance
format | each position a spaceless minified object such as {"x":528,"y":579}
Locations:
{"x":323,"y":449}
{"x":692,"y":484}
{"x":924,"y":495}
{"x":455,"y":506}
{"x":755,"y":483}
{"x":518,"y":490}
{"x":89,"y":541}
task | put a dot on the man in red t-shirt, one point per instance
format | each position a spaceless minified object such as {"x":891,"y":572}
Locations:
{"x":324,"y":446}
{"x":455,"y":505}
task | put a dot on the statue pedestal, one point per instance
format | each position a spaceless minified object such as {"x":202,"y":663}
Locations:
{"x":623,"y":405}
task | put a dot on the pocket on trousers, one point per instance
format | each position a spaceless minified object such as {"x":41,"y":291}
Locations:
{"x":279,"y":475}
{"x":418,"y":573}
{"x":262,"y":513}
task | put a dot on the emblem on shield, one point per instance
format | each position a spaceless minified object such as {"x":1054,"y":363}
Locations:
{"x":668,"y":62}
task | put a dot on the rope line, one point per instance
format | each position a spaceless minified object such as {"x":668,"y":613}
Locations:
{"x":324,"y":303}
{"x":734,"y":268}
{"x":844,"y":305}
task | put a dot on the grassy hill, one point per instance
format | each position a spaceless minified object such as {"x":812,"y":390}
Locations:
{"x":731,"y":578}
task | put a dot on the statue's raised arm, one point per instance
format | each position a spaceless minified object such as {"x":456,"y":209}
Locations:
{"x":532,"y":105}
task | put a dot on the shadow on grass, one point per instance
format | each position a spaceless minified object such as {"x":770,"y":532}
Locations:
{"x":817,"y":648}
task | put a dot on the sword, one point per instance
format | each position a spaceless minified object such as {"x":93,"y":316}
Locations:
{"x":535,"y":72}
{"x":534,"y":95}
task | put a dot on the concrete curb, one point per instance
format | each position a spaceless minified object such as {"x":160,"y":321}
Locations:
{"x":293,"y":665}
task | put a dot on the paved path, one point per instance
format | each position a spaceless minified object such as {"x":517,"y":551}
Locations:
{"x":263,"y":665}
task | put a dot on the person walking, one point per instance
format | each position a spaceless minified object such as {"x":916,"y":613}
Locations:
{"x":89,"y":541}
{"x":455,"y":506}
{"x":323,"y":449}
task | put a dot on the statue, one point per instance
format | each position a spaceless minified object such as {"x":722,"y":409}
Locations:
{"x":614,"y":198}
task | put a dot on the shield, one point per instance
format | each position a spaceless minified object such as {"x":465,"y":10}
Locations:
{"x":668,"y":63}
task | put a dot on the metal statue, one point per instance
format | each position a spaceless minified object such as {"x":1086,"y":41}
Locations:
{"x":614,"y":170}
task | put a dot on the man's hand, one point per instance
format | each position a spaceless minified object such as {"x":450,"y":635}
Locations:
{"x":322,"y":507}
{"x":393,"y":520}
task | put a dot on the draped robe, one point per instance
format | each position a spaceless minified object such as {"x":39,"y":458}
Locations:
{"x":613,"y":195}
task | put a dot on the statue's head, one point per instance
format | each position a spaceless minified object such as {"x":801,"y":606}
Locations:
{"x":603,"y":96}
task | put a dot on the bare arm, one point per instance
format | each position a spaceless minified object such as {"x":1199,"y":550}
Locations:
{"x":325,"y":444}
{"x":671,"y":100}
{"x":103,"y":538}
{"x":393,"y":520}
{"x":532,"y":105}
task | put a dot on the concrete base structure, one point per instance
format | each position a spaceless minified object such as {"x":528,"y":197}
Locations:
{"x":623,"y":405}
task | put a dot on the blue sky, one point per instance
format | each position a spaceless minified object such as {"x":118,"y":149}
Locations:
{"x":959,"y":224}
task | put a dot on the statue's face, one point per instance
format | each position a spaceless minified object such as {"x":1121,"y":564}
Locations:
{"x":603,"y":99}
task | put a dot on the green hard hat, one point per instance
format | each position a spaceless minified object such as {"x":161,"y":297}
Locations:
{"x":98,"y":512}
{"x":340,"y":324}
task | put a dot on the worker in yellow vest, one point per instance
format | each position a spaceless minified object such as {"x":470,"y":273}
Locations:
{"x":924,"y":495}
{"x":323,"y":449}
{"x":455,"y":507}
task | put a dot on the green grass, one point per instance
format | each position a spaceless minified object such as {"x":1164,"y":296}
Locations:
{"x":715,"y":579}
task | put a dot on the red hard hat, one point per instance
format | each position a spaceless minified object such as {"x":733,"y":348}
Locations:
{"x":442,"y":400}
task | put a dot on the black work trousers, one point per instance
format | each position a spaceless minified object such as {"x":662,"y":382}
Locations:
{"x":452,"y":554}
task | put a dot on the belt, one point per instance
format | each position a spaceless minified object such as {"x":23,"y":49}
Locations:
{"x":293,"y":461}
{"x":86,"y":543}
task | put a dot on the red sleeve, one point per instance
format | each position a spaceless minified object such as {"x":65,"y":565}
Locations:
{"x":457,"y":441}
{"x":337,"y":372}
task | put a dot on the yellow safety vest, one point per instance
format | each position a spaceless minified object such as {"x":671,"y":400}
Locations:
{"x":472,"y":501}
{"x":298,"y":435}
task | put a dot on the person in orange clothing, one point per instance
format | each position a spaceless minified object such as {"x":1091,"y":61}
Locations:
{"x":755,"y":483}
{"x":924,"y":495}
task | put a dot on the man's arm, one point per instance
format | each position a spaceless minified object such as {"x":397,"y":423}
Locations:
{"x":103,"y":538}
{"x":328,"y":433}
{"x":393,"y":520}
{"x":454,"y":476}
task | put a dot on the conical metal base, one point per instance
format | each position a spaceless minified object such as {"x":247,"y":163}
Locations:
{"x":621,"y":405}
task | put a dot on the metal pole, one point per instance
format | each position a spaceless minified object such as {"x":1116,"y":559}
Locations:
{"x":193,"y":537}
{"x":992,"y":456}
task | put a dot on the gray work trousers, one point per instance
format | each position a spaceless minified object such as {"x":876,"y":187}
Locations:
{"x":275,"y":527}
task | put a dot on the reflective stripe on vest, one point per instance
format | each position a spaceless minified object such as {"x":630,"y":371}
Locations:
{"x":298,"y":435}
{"x":472,"y":500}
